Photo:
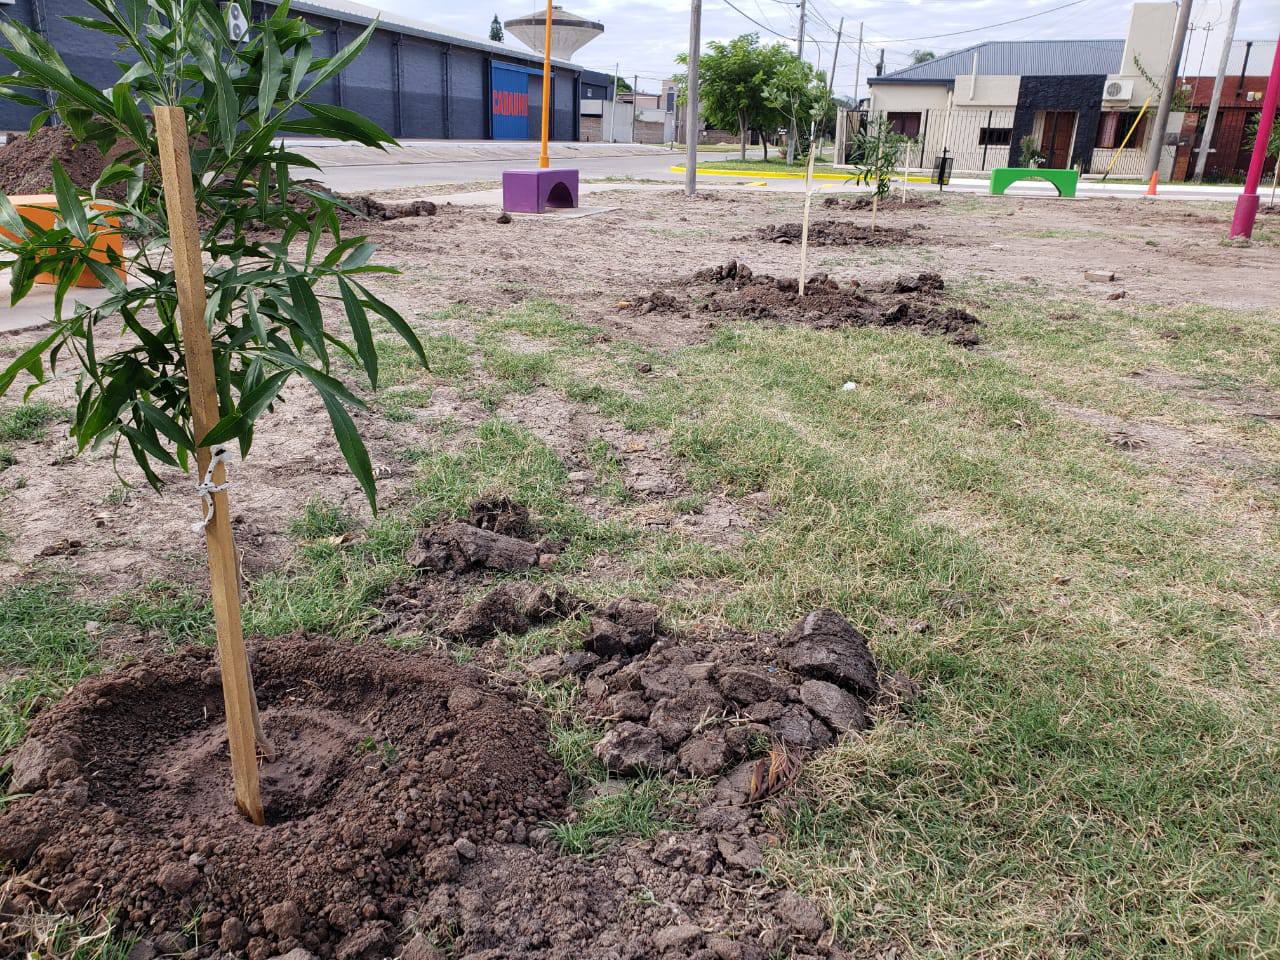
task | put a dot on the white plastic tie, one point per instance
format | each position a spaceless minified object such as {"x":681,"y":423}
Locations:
{"x":208,"y":488}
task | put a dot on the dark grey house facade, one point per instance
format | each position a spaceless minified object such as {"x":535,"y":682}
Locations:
{"x":413,"y":80}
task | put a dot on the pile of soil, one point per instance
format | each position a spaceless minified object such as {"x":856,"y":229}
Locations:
{"x":887,"y":204}
{"x":26,"y":163}
{"x":914,"y":302}
{"x":387,"y":765}
{"x":456,"y":559}
{"x":839,"y":233}
{"x":707,"y":707}
{"x":367,"y":206}
{"x":362,"y":206}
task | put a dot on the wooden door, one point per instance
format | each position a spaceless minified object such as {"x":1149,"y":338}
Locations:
{"x":1055,"y":141}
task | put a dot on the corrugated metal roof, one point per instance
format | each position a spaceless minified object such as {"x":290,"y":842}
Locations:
{"x":1016,"y":58}
{"x":361,"y":13}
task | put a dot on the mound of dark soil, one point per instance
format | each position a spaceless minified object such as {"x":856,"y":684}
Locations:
{"x":914,"y":302}
{"x":839,"y":233}
{"x":384,"y":761}
{"x":889,"y":204}
{"x":367,"y":206}
{"x":26,"y":163}
{"x":703,"y":707}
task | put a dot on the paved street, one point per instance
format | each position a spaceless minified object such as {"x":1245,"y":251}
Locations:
{"x":434,"y":163}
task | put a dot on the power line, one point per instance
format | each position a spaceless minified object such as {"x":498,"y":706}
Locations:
{"x":989,"y":26}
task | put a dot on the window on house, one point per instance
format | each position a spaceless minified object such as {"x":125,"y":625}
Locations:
{"x":907,"y":124}
{"x":1114,"y":125}
{"x":995,"y":136}
{"x":671,"y":101}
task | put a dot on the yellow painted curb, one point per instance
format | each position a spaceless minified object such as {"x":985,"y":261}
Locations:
{"x":718,"y":172}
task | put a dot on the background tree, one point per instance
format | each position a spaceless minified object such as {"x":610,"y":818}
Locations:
{"x":731,"y":81}
{"x":799,"y":94}
{"x":622,"y":84}
{"x":495,"y":30}
{"x":922,"y":56}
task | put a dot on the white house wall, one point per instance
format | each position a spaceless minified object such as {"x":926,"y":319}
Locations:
{"x":905,"y":98}
{"x":1149,"y":41}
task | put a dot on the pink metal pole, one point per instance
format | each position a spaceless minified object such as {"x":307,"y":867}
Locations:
{"x":1247,"y":204}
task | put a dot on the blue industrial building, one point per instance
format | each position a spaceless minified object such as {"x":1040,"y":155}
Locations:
{"x":414,"y":80}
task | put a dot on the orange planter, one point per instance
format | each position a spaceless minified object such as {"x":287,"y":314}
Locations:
{"x":42,"y":208}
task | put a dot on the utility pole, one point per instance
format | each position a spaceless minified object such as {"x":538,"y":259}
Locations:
{"x":835,"y":57}
{"x":635,"y":104}
{"x":880,"y":65}
{"x":857,"y":68}
{"x":613,"y":105}
{"x":791,"y":137}
{"x":1211,"y":121}
{"x":691,"y":101}
{"x":1166,"y":95}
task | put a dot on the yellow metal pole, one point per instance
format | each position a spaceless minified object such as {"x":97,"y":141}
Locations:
{"x":544,"y":160}
{"x":1116,"y":156}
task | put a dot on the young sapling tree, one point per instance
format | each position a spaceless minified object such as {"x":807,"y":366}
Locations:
{"x":229,"y":261}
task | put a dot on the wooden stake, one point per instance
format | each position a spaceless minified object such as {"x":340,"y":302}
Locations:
{"x":808,"y":199}
{"x":184,"y":235}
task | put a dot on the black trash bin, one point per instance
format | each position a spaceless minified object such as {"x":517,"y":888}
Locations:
{"x":942,"y":170}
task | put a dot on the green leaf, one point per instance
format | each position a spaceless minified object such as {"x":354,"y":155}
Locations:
{"x":272,"y":75}
{"x":129,"y":114}
{"x":9,"y":219}
{"x":338,"y":62}
{"x":398,"y":323}
{"x":347,"y":124}
{"x":70,"y":209}
{"x":307,"y":313}
{"x":319,"y":379}
{"x":352,"y":447}
{"x":166,"y":425}
{"x":252,"y":404}
{"x":359,"y":321}
{"x":301,"y":64}
{"x":28,"y":361}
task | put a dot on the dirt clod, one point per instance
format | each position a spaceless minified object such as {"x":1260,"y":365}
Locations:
{"x":840,"y":233}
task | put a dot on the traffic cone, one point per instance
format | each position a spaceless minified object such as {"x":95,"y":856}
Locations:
{"x":1151,"y":187}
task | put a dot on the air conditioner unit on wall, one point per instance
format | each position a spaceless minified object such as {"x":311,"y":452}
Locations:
{"x":1117,"y":89}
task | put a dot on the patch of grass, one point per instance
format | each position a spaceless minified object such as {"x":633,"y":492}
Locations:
{"x":1090,"y":767}
{"x":61,"y":938}
{"x":631,"y":808}
{"x":180,"y":613}
{"x":321,"y":518}
{"x":521,"y":372}
{"x":7,"y":459}
{"x":28,"y":421}
{"x":44,"y":648}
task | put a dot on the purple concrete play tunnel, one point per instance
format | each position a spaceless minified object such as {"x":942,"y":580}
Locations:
{"x":533,"y":191}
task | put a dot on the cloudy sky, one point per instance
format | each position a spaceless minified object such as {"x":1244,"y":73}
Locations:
{"x":644,"y":37}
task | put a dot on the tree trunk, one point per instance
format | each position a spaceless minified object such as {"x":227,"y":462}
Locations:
{"x":743,"y":135}
{"x":764,"y":144}
{"x":875,"y":206}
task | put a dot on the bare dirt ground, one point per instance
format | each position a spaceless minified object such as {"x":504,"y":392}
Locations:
{"x":75,"y":513}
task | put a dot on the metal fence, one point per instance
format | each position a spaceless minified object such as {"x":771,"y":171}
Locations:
{"x":980,"y":139}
